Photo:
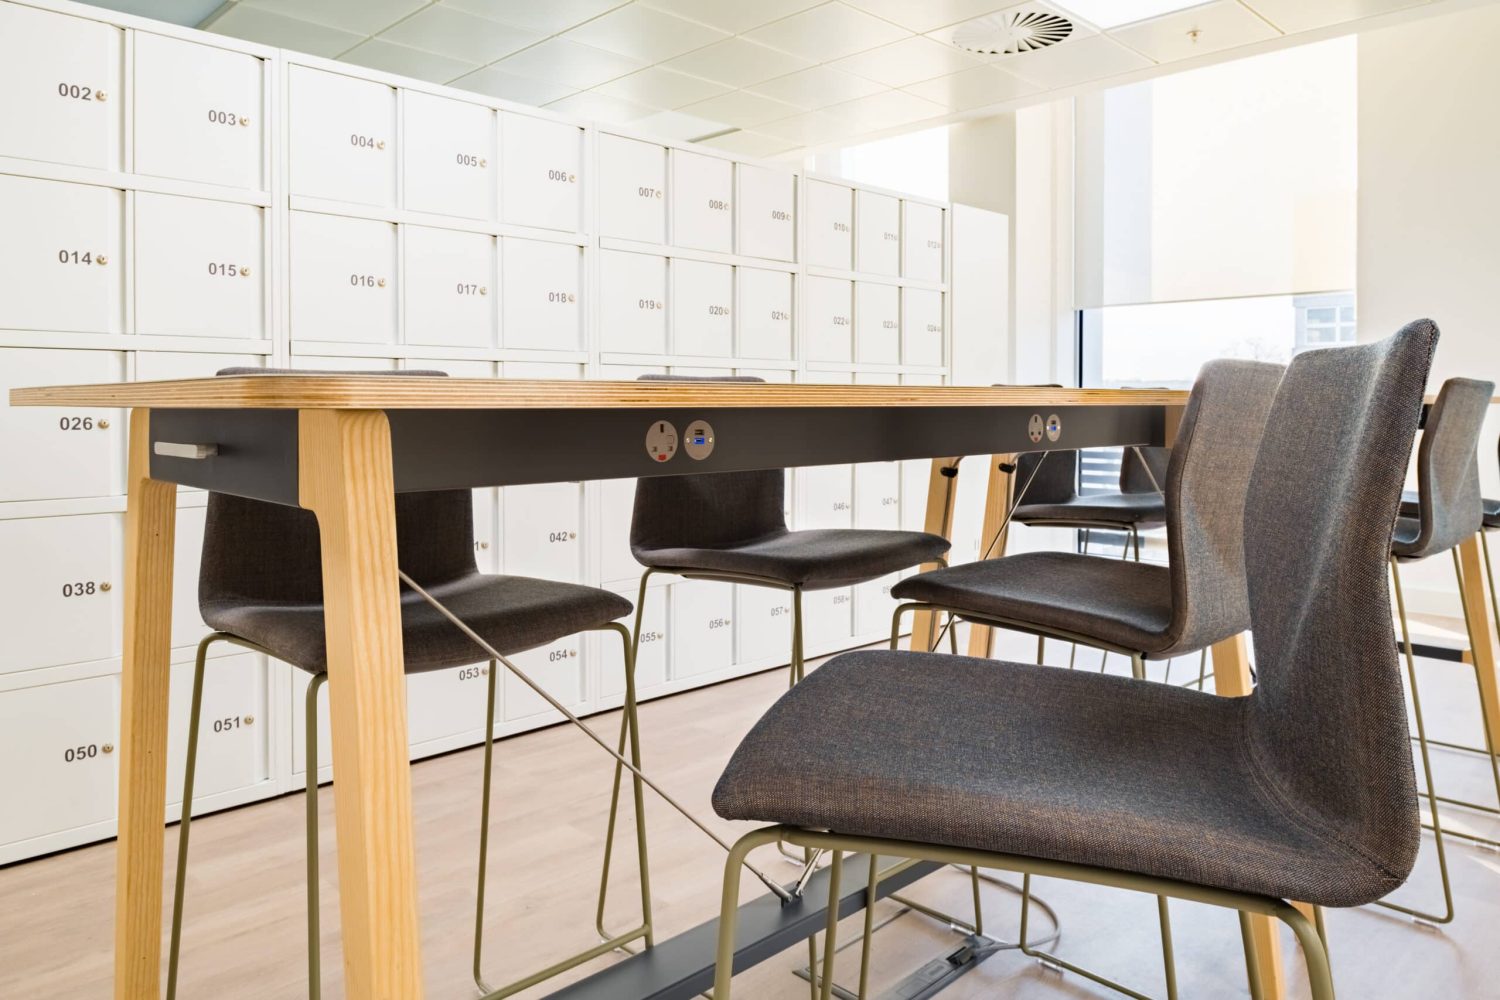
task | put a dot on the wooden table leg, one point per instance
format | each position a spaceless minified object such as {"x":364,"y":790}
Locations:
{"x":1477,"y":608}
{"x":993,"y":539}
{"x":942,"y":491}
{"x":345,"y":478}
{"x":145,"y":673}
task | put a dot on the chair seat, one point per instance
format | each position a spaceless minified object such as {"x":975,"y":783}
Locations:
{"x":1064,"y":765}
{"x":1116,"y":601}
{"x":1144,"y":510}
{"x":1411,"y":506}
{"x":512,"y":613}
{"x":815,"y":560}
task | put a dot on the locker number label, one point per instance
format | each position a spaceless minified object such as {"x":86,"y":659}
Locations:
{"x":718,"y":205}
{"x":563,"y":298}
{"x":81,"y":257}
{"x":653,"y":636}
{"x":840,"y":320}
{"x":465,"y":288}
{"x":226,"y":118}
{"x":366,"y":281}
{"x":889,"y":324}
{"x":80,"y":424}
{"x":78,"y":92}
{"x":648,"y":192}
{"x":562,"y":536}
{"x":557,"y":655}
{"x":88,"y":751}
{"x":365,"y":142}
{"x":648,"y":304}
{"x":892,"y":237}
{"x":470,"y":160}
{"x":472,"y":673}
{"x":565,"y":177}
{"x":781,"y":215}
{"x":717,"y":623}
{"x":780,"y":316}
{"x":840,"y":227}
{"x":84,"y":588}
{"x":230,"y":723}
{"x":718,"y":310}
{"x":219,"y":270}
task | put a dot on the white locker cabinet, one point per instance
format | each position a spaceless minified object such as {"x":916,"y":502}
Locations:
{"x":877,"y":323}
{"x":543,"y":531}
{"x":921,"y":327}
{"x":632,"y":302}
{"x":541,"y":172}
{"x":188,"y":627}
{"x":542,"y":295}
{"x":702,"y":308}
{"x":828,"y":620}
{"x":487,"y":530}
{"x":61,"y":79}
{"x":60,"y":253}
{"x":199,"y":113}
{"x":556,"y":370}
{"x":651,"y":659}
{"x":342,"y":137}
{"x":558,"y":668}
{"x":830,"y":219}
{"x":767,"y":212}
{"x":53,"y":454}
{"x":154,"y":366}
{"x":200,"y":268}
{"x":60,"y":594}
{"x":343,"y":279}
{"x":877,"y":495}
{"x":763,"y":310}
{"x":702,"y":202}
{"x":234,"y":725}
{"x":922,"y":246}
{"x":335,"y":363}
{"x":61,"y":744}
{"x":448,"y":157}
{"x":874,"y":607}
{"x":632,"y":189}
{"x":968,"y":510}
{"x":702,"y":628}
{"x":448,"y":287}
{"x":617,"y":501}
{"x":827,"y":319}
{"x":441,"y":704}
{"x":827,"y":496}
{"x":877,"y":233}
{"x":765,"y":618}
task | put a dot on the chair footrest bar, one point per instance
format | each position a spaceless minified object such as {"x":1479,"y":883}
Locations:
{"x":937,"y":975}
{"x":588,"y":955}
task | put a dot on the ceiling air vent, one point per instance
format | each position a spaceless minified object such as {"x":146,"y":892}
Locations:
{"x":1011,"y":32}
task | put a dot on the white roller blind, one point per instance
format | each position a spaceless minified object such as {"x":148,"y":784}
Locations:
{"x":1223,"y":182}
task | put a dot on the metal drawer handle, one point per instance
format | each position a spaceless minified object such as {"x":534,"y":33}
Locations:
{"x":171,"y":449}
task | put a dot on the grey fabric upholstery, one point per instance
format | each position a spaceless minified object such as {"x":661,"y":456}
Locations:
{"x":261,"y":578}
{"x":1302,"y":790}
{"x":1449,"y":505}
{"x":1053,"y":497}
{"x":1144,"y":510}
{"x":734,"y":522}
{"x":1206,"y":485}
{"x":1144,"y":470}
{"x":1411,"y":507}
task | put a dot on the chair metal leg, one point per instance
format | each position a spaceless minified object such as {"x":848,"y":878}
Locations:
{"x":864,"y":955}
{"x":1489,"y":572}
{"x":1135,"y":538}
{"x":1202,"y":668}
{"x":1137,"y":667}
{"x":1252,"y":967}
{"x":1051,"y":960}
{"x":484,"y":827}
{"x":314,"y":935}
{"x":797,"y":667}
{"x":184,"y":826}
{"x":953,"y":635}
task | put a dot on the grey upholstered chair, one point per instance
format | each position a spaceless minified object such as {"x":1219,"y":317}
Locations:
{"x":261,"y":587}
{"x":1449,"y":511}
{"x":1053,"y":500}
{"x":1411,"y":506}
{"x":1304,"y":789}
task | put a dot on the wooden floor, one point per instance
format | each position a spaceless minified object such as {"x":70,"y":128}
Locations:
{"x":245,"y":936}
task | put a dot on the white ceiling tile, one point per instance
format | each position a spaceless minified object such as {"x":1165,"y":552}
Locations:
{"x":545,"y":16}
{"x":256,"y":25}
{"x":1114,"y":13}
{"x":1194,"y":32}
{"x":676,"y":125}
{"x":590,"y":104}
{"x":907,"y":61}
{"x":1074,"y":61}
{"x":733,"y":16}
{"x":817,"y":87}
{"x":509,"y":87}
{"x":577,"y":65}
{"x":973,"y":88}
{"x":741,"y":109}
{"x":661,"y":88}
{"x":645,"y":34}
{"x":458,"y":35}
{"x":828,"y":32}
{"x":811,"y":128}
{"x":407,"y":61}
{"x":743,"y":143}
{"x":1304,"y":15}
{"x":737,"y":62}
{"x":887,"y":109}
{"x":924,"y":15}
{"x":363,"y":17}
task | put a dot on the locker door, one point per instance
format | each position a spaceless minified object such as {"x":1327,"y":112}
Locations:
{"x":829,"y":624}
{"x":153,"y":366}
{"x":60,"y":602}
{"x":188,"y":627}
{"x":764,"y":313}
{"x":234,"y":728}
{"x":343,"y":279}
{"x":922,"y":247}
{"x":543,"y":531}
{"x":921,"y":327}
{"x":877,"y":233}
{"x":335,"y":363}
{"x":830,"y":211}
{"x":60,"y":740}
{"x":702,"y":628}
{"x":877,"y":495}
{"x":200,"y":268}
{"x":541,"y":172}
{"x":632,"y":302}
{"x":343,"y":137}
{"x":198,"y":113}
{"x":827,"y":493}
{"x":60,"y":252}
{"x":543,"y":295}
{"x":615,"y":561}
{"x":632,"y":189}
{"x":651,"y":660}
{"x":52,"y":454}
{"x":448,"y":157}
{"x":61,"y":79}
{"x":765,"y":632}
{"x":767,"y":219}
{"x":827,"y":333}
{"x":874,"y":606}
{"x":915,"y":474}
{"x":968,"y":510}
{"x":487,"y":530}
{"x":441,"y":704}
{"x":448,"y":284}
{"x":702,"y":308}
{"x":702,"y":202}
{"x":558,"y":668}
{"x":877,"y":323}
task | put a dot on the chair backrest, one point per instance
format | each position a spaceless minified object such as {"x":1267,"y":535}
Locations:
{"x":1144,"y":469}
{"x":1327,"y":722}
{"x":258,"y":551}
{"x":1452,"y":507}
{"x":707,"y":509}
{"x":1208,"y":478}
{"x":1053,"y":479}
